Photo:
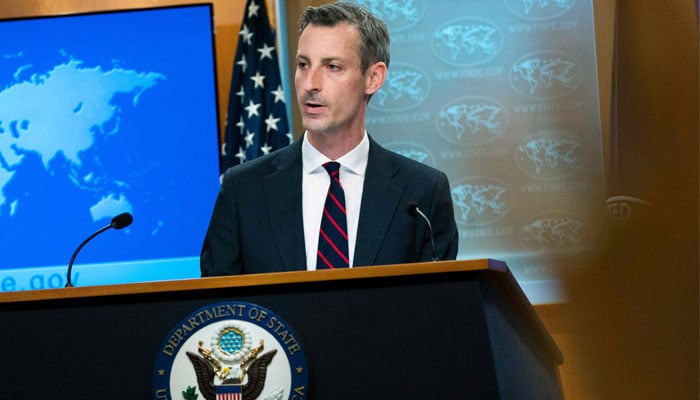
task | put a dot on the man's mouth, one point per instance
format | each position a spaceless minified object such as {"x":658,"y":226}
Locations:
{"x":312,"y":106}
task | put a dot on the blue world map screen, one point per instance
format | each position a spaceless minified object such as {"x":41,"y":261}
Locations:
{"x":101,"y":114}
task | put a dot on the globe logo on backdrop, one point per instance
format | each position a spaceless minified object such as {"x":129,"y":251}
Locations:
{"x":467,"y":41}
{"x":554,"y":230}
{"x":472,"y":120}
{"x":398,"y":15}
{"x":546,"y":155}
{"x":481,"y":201}
{"x":539,"y":9}
{"x":406,"y":86}
{"x":545,"y":75}
{"x":412,"y":151}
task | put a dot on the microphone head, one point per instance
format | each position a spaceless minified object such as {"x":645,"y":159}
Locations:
{"x":122,"y":220}
{"x":411,"y":209}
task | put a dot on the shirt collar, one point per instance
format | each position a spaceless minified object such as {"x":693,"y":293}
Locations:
{"x":355,"y":161}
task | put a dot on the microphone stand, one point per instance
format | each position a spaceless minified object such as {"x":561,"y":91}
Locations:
{"x":75,"y":253}
{"x":120,"y":221}
{"x":413,"y":210}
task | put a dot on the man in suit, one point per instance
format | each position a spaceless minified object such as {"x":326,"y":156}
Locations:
{"x":269,"y":211}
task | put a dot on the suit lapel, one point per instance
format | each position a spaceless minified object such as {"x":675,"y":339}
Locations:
{"x":283,"y":203}
{"x":380,"y":198}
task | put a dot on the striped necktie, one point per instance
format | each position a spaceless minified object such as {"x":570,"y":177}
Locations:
{"x":333,"y":237}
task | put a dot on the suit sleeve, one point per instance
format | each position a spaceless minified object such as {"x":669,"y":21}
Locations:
{"x":443,"y":220}
{"x":221,"y":253}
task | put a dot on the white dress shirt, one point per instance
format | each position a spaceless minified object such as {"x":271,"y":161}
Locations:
{"x":315,"y":182}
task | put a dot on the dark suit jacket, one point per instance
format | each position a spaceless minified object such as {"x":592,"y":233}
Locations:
{"x":257,"y":222}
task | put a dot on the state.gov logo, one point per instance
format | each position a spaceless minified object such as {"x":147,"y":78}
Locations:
{"x":231,"y":351}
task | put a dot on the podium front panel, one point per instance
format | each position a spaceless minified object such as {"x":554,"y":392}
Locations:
{"x":436,"y":336}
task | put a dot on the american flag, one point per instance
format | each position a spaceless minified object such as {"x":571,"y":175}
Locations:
{"x":229,"y":392}
{"x":256,"y":123}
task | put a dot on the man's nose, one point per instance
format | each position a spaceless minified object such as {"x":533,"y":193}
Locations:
{"x":312,"y":80}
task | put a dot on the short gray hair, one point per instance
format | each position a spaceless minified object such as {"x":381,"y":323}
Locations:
{"x":374,"y":35}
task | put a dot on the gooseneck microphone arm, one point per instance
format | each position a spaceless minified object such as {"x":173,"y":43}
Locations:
{"x":120,"y":221}
{"x":413,"y":210}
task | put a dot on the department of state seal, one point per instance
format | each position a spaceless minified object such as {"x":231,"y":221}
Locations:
{"x":231,"y":350}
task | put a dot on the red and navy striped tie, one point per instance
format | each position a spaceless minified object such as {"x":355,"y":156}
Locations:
{"x":333,"y":237}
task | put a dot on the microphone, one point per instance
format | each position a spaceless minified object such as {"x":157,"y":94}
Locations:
{"x":413,"y":210}
{"x":120,"y":221}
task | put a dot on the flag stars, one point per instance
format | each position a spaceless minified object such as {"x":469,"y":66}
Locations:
{"x":249,"y":137}
{"x":240,"y":124}
{"x":246,"y":34}
{"x":279,"y":94}
{"x":258,"y":79}
{"x":271,"y":122}
{"x":253,"y":10}
{"x":266,"y":51}
{"x":252,"y":109}
{"x":256,"y":122}
{"x":241,"y":155}
{"x":242,"y":62}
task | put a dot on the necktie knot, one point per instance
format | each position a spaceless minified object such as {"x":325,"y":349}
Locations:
{"x":332,"y":167}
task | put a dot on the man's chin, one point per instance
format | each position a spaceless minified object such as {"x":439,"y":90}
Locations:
{"x":315,"y":125}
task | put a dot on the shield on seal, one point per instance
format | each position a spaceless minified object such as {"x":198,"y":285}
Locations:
{"x":229,"y":392}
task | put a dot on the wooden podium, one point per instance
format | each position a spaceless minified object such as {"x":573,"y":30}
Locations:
{"x":440,"y":330}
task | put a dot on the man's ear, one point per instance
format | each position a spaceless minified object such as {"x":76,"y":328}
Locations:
{"x":376,"y":74}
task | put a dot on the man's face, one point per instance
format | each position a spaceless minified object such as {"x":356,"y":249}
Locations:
{"x":331,"y":90}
